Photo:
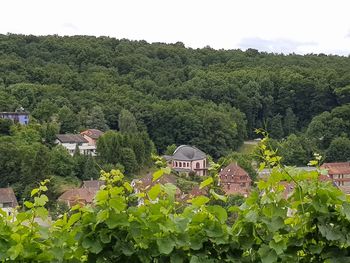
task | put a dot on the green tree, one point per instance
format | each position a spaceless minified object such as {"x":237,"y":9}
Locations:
{"x":290,"y":122}
{"x":61,"y":163}
{"x":127,"y":122}
{"x":339,"y":150}
{"x":44,"y":110}
{"x":128,"y":160}
{"x":275,"y":127}
{"x":5,"y":126}
{"x":68,"y":120}
{"x":170,"y":149}
{"x":96,"y":119}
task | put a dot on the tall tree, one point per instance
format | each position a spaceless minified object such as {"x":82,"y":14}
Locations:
{"x":290,"y":121}
{"x":96,"y":119}
{"x":68,"y":120}
{"x":275,"y":127}
{"x":339,"y":150}
{"x":127,"y":122}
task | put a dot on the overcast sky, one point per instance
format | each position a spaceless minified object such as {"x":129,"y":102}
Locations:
{"x":300,"y":26}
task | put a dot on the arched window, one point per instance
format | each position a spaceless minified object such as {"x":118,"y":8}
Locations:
{"x":180,"y":164}
{"x":175,"y":164}
{"x":184,"y":164}
{"x":188,"y":164}
{"x":197,"y":165}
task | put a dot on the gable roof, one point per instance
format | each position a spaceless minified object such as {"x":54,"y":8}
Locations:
{"x":147,"y":181}
{"x":8,"y":196}
{"x":337,"y":168}
{"x":71,"y":138}
{"x":78,"y":194}
{"x":188,"y":153}
{"x":233,"y":169}
{"x":92,"y":133}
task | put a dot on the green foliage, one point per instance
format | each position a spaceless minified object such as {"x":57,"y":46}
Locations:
{"x":5,"y":126}
{"x":127,"y":122}
{"x":339,"y":150}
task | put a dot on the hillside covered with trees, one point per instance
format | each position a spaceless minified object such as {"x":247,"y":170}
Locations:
{"x":213,"y":99}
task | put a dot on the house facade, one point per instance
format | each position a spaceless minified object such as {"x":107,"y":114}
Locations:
{"x":8,"y":201}
{"x":20,"y":117}
{"x":235,"y":180}
{"x":186,"y":159}
{"x":91,"y":135}
{"x":76,"y":141}
{"x":339,"y":173}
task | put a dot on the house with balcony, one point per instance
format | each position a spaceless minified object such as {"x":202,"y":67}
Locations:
{"x":72,"y":142}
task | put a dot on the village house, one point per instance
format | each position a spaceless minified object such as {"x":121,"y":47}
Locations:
{"x":186,"y":159}
{"x":8,"y":200}
{"x":91,"y":135}
{"x":234,"y":180}
{"x":339,"y":173}
{"x":19,"y":116}
{"x":76,"y":141}
{"x":84,"y":195}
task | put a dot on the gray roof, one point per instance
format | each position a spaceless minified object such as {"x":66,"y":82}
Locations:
{"x":71,"y":138}
{"x":188,"y":153}
{"x":8,"y":196}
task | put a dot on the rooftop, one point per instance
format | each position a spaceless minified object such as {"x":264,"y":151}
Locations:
{"x":71,"y":138}
{"x":8,"y":196}
{"x":188,"y":153}
{"x":92,"y":133}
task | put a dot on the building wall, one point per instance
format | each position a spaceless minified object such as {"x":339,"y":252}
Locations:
{"x":89,"y":139}
{"x":22,"y":118}
{"x":84,"y":148}
{"x":196,"y":166}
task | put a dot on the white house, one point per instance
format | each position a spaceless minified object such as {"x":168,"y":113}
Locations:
{"x":72,"y":141}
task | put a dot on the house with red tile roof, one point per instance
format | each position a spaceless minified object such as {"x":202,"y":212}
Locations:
{"x":339,"y":173}
{"x":235,"y":180}
{"x":92,"y":135}
{"x":82,"y":196}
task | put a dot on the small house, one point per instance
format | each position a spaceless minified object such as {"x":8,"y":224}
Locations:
{"x":235,"y":180}
{"x":75,"y":141}
{"x":186,"y":159}
{"x":91,"y":135}
{"x":8,"y":200}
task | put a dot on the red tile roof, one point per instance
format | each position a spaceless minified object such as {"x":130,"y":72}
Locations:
{"x":337,"y":168}
{"x":85,"y":195}
{"x":92,"y":133}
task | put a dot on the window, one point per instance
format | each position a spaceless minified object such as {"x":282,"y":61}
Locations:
{"x":197,"y":165}
{"x":180,"y":164}
{"x":188,"y":164}
{"x":175,"y":164}
{"x":184,"y":164}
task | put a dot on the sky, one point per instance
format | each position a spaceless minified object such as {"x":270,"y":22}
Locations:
{"x":279,"y":26}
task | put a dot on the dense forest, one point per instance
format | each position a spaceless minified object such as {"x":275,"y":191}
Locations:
{"x":213,"y":99}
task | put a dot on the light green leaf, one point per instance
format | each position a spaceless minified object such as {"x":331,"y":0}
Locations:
{"x":157,"y":175}
{"x":206,"y":182}
{"x":34,"y":191}
{"x":154,"y":191}
{"x":199,"y":200}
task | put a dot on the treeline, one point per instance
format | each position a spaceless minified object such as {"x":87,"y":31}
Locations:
{"x":211,"y":98}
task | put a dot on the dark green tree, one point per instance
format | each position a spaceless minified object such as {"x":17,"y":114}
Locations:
{"x":339,"y":150}
{"x":127,"y":122}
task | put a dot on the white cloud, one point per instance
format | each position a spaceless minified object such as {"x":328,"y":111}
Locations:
{"x":287,"y":25}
